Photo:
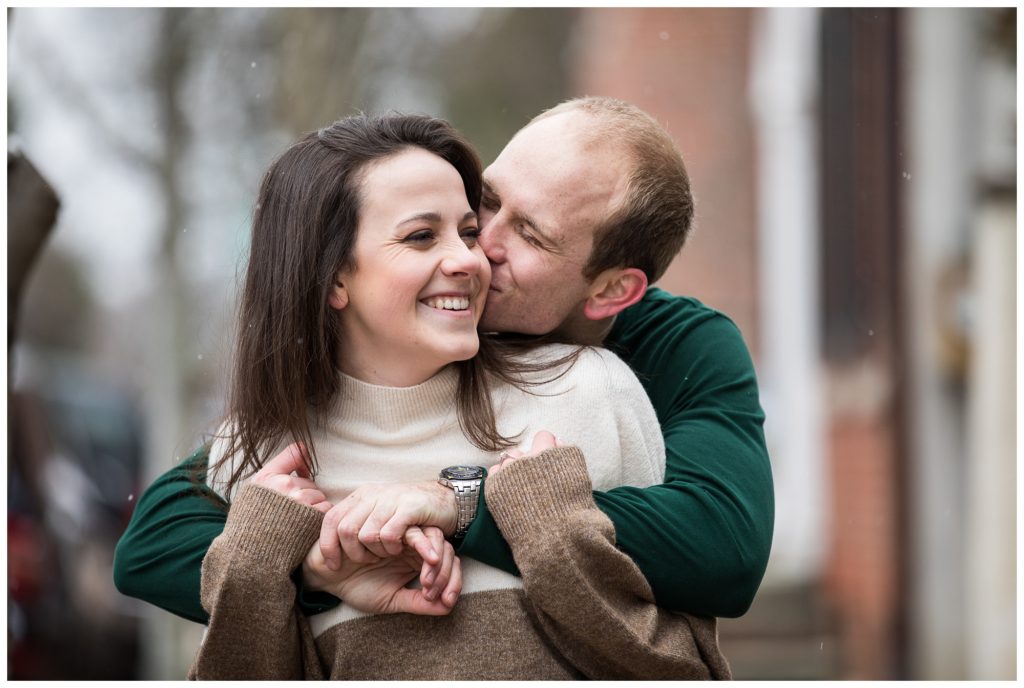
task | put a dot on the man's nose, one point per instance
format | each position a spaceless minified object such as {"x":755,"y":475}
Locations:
{"x":492,"y":240}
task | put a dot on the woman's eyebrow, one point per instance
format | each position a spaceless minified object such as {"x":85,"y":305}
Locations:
{"x":421,"y":217}
{"x":431,"y":216}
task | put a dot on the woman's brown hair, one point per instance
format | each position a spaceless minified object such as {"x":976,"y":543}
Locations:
{"x":303,"y":233}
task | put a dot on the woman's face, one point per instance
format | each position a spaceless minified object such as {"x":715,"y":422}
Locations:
{"x":411,"y":304}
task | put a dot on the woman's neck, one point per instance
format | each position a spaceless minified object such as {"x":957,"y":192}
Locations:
{"x":380,"y":372}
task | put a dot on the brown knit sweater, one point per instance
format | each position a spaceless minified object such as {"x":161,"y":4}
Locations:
{"x":585,"y":609}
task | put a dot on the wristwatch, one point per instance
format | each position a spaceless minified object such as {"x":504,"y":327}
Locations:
{"x":466,"y":481}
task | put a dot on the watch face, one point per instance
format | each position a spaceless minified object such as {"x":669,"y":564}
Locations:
{"x":462,"y":473}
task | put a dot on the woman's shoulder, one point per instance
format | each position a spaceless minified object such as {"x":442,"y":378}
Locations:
{"x":593,"y":367}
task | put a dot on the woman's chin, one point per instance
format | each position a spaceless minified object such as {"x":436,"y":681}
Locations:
{"x":462,"y":353}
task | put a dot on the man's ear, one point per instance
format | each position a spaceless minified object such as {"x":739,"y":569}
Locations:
{"x":338,"y":296}
{"x":613,"y":291}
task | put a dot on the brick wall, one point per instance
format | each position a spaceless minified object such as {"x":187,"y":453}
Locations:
{"x":688,"y":69}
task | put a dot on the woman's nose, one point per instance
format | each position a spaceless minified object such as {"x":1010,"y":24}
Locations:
{"x":461,"y":260}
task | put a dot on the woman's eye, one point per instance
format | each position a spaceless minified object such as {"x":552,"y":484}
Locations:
{"x":421,"y":237}
{"x":470,"y":235}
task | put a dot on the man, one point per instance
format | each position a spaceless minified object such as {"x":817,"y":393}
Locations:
{"x":586,"y":205}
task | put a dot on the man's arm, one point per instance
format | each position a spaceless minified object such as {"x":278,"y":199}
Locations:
{"x":702,"y":538}
{"x":160,"y":555}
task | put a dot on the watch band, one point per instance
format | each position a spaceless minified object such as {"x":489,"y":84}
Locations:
{"x":465,"y":482}
{"x":467,"y":498}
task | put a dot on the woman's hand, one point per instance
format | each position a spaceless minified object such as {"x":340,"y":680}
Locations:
{"x":379,"y":587}
{"x":541,"y":441}
{"x":288,"y":474}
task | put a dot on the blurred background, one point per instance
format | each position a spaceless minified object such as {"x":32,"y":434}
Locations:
{"x":855,"y":176}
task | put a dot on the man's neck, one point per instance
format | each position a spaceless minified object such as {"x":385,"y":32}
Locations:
{"x":582,"y":330}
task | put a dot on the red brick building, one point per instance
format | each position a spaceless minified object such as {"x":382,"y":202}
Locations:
{"x":823,"y":119}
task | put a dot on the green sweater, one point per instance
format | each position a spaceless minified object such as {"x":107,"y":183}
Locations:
{"x":701,"y":539}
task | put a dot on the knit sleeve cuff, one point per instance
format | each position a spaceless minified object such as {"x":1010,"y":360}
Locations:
{"x":541,"y":490}
{"x":271,"y":527}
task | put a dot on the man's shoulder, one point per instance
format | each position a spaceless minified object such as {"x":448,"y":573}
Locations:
{"x":657,"y":301}
{"x":662,"y":317}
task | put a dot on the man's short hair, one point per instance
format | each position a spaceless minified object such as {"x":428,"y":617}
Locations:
{"x":650,"y":227}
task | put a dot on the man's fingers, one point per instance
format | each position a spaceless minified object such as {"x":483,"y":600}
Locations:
{"x":373,"y":535}
{"x":330,"y":545}
{"x":394,"y":531}
{"x":348,"y":534}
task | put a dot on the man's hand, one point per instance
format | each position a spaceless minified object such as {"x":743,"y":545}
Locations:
{"x":372,"y":521}
{"x":288,"y":474}
{"x":541,"y":441}
{"x":379,"y":587}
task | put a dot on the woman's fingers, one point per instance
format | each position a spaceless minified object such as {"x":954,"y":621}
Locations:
{"x":424,"y":546}
{"x":293,"y":459}
{"x":414,"y":602}
{"x":288,"y":474}
{"x":435,"y":577}
{"x":541,"y":441}
{"x":454,"y":587}
{"x":427,"y":545}
{"x":310,"y":496}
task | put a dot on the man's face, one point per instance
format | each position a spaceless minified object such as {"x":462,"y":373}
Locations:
{"x":543,"y":198}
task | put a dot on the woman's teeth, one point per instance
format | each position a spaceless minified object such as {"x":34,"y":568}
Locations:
{"x":448,"y":303}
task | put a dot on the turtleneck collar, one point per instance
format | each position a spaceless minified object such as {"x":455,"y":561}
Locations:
{"x":393,"y":409}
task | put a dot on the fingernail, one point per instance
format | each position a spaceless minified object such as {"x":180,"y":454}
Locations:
{"x":429,"y":578}
{"x":451,"y":598}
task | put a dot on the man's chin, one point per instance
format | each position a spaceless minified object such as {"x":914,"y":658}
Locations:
{"x":490,"y":324}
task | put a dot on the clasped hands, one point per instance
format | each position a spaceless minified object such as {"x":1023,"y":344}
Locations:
{"x":381,"y":537}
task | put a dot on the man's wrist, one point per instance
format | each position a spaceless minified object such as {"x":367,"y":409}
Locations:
{"x":466,"y":484}
{"x":448,"y":509}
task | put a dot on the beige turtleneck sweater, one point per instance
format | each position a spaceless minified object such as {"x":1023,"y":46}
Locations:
{"x":581,"y":608}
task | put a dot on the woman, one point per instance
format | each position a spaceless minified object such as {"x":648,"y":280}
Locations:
{"x":358,"y":339}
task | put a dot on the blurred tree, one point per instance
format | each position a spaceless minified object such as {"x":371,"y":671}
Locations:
{"x":512,"y":66}
{"x":488,"y":71}
{"x":322,"y":62}
{"x":31,"y":212}
{"x":58,"y":305}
